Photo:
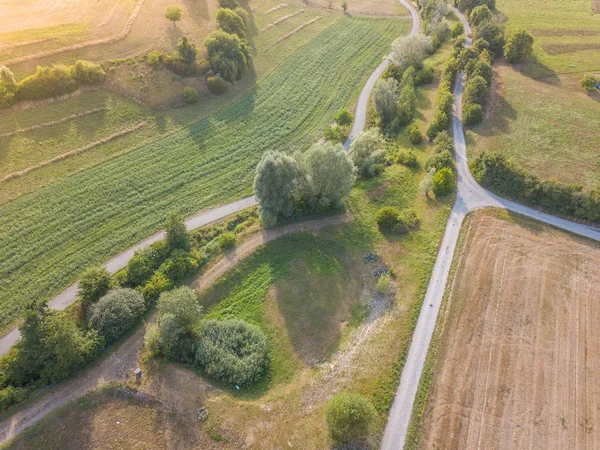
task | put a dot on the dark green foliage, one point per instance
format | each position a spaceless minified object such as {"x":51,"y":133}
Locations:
{"x":190,"y":95}
{"x":441,"y":160}
{"x":424,"y":76}
{"x":231,"y":4}
{"x":177,"y":235}
{"x":244,"y":15}
{"x":506,"y":178}
{"x":493,"y":34}
{"x":467,"y":55}
{"x":443,"y":142}
{"x":519,"y":45}
{"x":589,"y":82}
{"x":387,"y":217}
{"x":392,"y":220}
{"x":10,"y":395}
{"x":407,"y":158}
{"x":414,"y":134}
{"x":86,"y":72}
{"x":457,"y":30}
{"x":392,"y":71}
{"x":484,"y":70}
{"x":472,"y":114}
{"x":335,"y":134}
{"x":8,"y":87}
{"x":226,"y":240}
{"x":176,"y":64}
{"x":443,"y":181}
{"x":180,"y":264}
{"x":228,"y":56}
{"x":47,"y":82}
{"x":232,"y":351}
{"x":187,"y":50}
{"x":217,"y":85}
{"x":443,"y":111}
{"x":467,"y":6}
{"x":475,"y":89}
{"x":93,"y":284}
{"x":350,"y":418}
{"x":230,"y":22}
{"x":479,"y":15}
{"x":116,"y":312}
{"x":144,"y":262}
{"x":407,"y":100}
{"x":343,"y":117}
{"x":439,"y":123}
{"x":158,"y":284}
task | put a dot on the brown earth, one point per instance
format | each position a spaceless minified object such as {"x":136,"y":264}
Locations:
{"x":518,"y":342}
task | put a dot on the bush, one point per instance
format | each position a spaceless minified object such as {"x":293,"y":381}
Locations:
{"x":349,"y":417}
{"x":190,"y":95}
{"x":383,"y":284}
{"x":232,"y":351}
{"x":589,"y":82}
{"x":387,"y":218}
{"x":226,"y":240}
{"x":8,"y":87}
{"x":229,"y":21}
{"x":483,"y":69}
{"x":231,"y":4}
{"x":414,"y":134}
{"x":443,"y":181}
{"x":443,"y":142}
{"x":407,"y":158}
{"x":493,"y":34}
{"x":424,"y":76}
{"x":343,"y":117}
{"x":86,"y":72}
{"x":93,"y":284}
{"x":457,"y":30}
{"x":155,"y":58}
{"x":217,"y":85}
{"x":10,"y":395}
{"x":519,"y":46}
{"x":182,"y":304}
{"x":47,"y":82}
{"x":441,"y":160}
{"x":367,"y":152}
{"x":475,"y":90}
{"x":177,"y":64}
{"x":335,"y":134}
{"x":116,"y":312}
{"x":144,"y":262}
{"x":385,"y":99}
{"x":439,"y":123}
{"x":228,"y":55}
{"x":180,"y":264}
{"x":472,"y":114}
{"x":176,"y":232}
{"x":479,"y":15}
{"x":158,"y":284}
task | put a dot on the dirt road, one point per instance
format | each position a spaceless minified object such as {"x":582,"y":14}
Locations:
{"x":123,"y":359}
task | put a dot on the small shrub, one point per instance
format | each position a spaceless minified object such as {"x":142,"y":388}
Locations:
{"x":343,"y":117}
{"x":519,"y":46}
{"x":190,"y":95}
{"x":472,"y":114}
{"x":589,"y":83}
{"x":410,"y":219}
{"x":387,"y":218}
{"x":232,"y":351}
{"x":441,"y":160}
{"x":11,"y":395}
{"x":349,"y":417}
{"x":334,"y":133}
{"x":443,"y":181}
{"x":383,"y":284}
{"x":424,"y":76}
{"x":226,"y":240}
{"x":414,"y":134}
{"x":158,"y":284}
{"x":213,"y":247}
{"x":47,"y":82}
{"x":116,"y":312}
{"x":443,"y":142}
{"x":93,"y":284}
{"x":407,"y":158}
{"x":457,"y":30}
{"x":231,"y":4}
{"x":217,"y":85}
{"x":155,"y":58}
{"x":86,"y":72}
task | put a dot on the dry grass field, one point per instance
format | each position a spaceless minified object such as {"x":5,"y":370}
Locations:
{"x":517,"y":343}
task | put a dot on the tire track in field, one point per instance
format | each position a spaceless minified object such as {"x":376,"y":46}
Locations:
{"x":54,"y":122}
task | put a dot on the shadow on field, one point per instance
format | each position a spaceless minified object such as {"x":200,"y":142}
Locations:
{"x":499,"y":114}
{"x":533,"y":68}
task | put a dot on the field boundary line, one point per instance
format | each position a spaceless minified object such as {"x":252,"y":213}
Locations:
{"x":110,"y":40}
{"x":54,"y":122}
{"x":281,"y":19}
{"x":73,"y":152}
{"x":275,"y":8}
{"x":291,"y":33}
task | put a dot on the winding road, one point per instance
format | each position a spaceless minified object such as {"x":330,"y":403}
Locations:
{"x":470,"y":196}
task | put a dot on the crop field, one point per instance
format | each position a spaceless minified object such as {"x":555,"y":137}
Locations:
{"x":516,"y":344}
{"x":50,"y":235}
{"x":365,"y":7}
{"x":537,"y":112}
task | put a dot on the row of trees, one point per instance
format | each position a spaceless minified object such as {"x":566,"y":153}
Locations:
{"x":48,"y":82}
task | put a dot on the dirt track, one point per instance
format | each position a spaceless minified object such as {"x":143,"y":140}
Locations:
{"x":517,"y":362}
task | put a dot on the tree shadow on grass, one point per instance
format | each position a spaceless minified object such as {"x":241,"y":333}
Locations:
{"x":500,"y":113}
{"x":533,"y":68}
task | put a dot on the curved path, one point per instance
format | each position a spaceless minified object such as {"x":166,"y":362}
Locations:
{"x":470,"y":196}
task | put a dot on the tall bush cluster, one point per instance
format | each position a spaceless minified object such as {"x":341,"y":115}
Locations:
{"x":507,"y":178}
{"x":317,"y":179}
{"x":434,"y":14}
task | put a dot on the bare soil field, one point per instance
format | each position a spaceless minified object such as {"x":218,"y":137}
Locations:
{"x":517,"y":343}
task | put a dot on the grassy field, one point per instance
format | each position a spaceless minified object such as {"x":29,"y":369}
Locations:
{"x":51,"y":234}
{"x":514,"y":346}
{"x":537,"y":112}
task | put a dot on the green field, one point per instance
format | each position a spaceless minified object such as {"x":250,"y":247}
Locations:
{"x":537,"y":112}
{"x":49,"y":236}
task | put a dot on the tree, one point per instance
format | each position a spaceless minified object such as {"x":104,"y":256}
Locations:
{"x":414,"y":134}
{"x":493,"y":34}
{"x":410,"y":51}
{"x":187,"y":50}
{"x":367,"y":151}
{"x":93,"y":284}
{"x":190,"y":95}
{"x":443,"y":142}
{"x":387,"y":217}
{"x":349,"y":417}
{"x":345,"y":6}
{"x":228,"y":56}
{"x":8,"y":87}
{"x":116,"y":312}
{"x":443,"y":181}
{"x":328,"y":174}
{"x":426,"y":183}
{"x":479,"y":15}
{"x":467,"y":6}
{"x":174,"y":13}
{"x":385,"y":99}
{"x":274,"y":184}
{"x":343,"y":117}
{"x":230,"y":22}
{"x":440,"y":160}
{"x":177,"y":235}
{"x":589,"y":82}
{"x":231,"y":4}
{"x":519,"y":46}
{"x":457,"y":30}
{"x":182,"y":304}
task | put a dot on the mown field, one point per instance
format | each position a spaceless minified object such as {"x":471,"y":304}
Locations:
{"x":50,"y":235}
{"x":515,"y":344}
{"x":537,"y":112}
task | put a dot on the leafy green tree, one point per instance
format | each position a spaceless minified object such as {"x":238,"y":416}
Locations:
{"x":231,"y":4}
{"x":174,"y":13}
{"x":228,"y":56}
{"x":343,"y":117}
{"x":472,"y":114}
{"x":443,"y":142}
{"x":367,"y":152}
{"x":519,"y":46}
{"x":116,"y":312}
{"x":387,"y":217}
{"x":93,"y":284}
{"x":410,"y":51}
{"x":589,"y":82}
{"x":385,"y":99}
{"x":190,"y":95}
{"x":479,"y":15}
{"x":467,"y":6}
{"x":187,"y":50}
{"x":328,"y":174}
{"x":414,"y":134}
{"x":177,"y":234}
{"x":31,"y":355}
{"x":274,"y":184}
{"x":440,"y":160}
{"x":182,"y":304}
{"x":349,"y":417}
{"x":493,"y":34}
{"x":457,"y":30}
{"x":475,"y":90}
{"x":443,"y":181}
{"x":230,"y":22}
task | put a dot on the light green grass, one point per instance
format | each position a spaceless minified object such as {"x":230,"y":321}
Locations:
{"x":49,"y":236}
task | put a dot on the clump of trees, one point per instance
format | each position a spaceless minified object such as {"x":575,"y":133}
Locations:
{"x":368,"y":152}
{"x":519,"y":45}
{"x":94,"y":283}
{"x":393,"y":220}
{"x":317,"y":179}
{"x":505,"y":177}
{"x":116,"y":312}
{"x":467,"y":6}
{"x":340,"y":129}
{"x":350,"y":418}
{"x":48,"y":82}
